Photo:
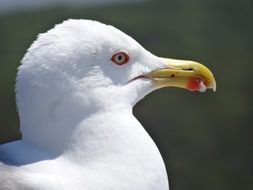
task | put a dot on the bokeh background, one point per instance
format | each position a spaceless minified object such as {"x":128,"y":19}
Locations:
{"x":206,"y":139}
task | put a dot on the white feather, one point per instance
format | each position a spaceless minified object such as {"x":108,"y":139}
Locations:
{"x":75,"y":109}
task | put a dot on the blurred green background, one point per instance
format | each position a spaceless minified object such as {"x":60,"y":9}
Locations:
{"x":206,"y":139}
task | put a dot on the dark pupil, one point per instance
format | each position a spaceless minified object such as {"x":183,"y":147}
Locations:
{"x":120,"y":57}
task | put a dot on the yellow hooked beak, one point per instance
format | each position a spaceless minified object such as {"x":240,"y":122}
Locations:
{"x":184,"y":74}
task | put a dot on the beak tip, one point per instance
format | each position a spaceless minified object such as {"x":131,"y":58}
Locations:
{"x":213,"y":85}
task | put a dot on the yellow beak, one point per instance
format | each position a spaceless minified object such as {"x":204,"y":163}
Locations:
{"x":184,"y":74}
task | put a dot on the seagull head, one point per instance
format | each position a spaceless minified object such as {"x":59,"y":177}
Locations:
{"x":81,"y":66}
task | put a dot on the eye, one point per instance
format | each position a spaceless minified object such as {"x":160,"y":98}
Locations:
{"x":120,"y":58}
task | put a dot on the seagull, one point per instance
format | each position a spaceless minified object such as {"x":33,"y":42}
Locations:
{"x":75,"y":91}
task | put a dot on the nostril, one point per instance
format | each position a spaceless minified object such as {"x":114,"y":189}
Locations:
{"x":189,"y":69}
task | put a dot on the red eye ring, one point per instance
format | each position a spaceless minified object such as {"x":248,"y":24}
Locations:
{"x":120,"y":58}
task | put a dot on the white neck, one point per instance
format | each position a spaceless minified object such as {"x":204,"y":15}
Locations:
{"x":116,"y":144}
{"x":113,"y":132}
{"x":90,"y":130}
{"x":51,"y":116}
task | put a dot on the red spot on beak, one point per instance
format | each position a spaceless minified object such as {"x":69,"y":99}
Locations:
{"x":195,"y":83}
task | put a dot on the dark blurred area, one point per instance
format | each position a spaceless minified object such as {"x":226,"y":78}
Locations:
{"x":206,"y":139}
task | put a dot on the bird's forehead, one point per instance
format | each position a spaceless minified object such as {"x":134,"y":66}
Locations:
{"x":98,"y":34}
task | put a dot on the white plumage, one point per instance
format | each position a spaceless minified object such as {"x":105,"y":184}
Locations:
{"x":75,"y":108}
{"x":75,"y":92}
